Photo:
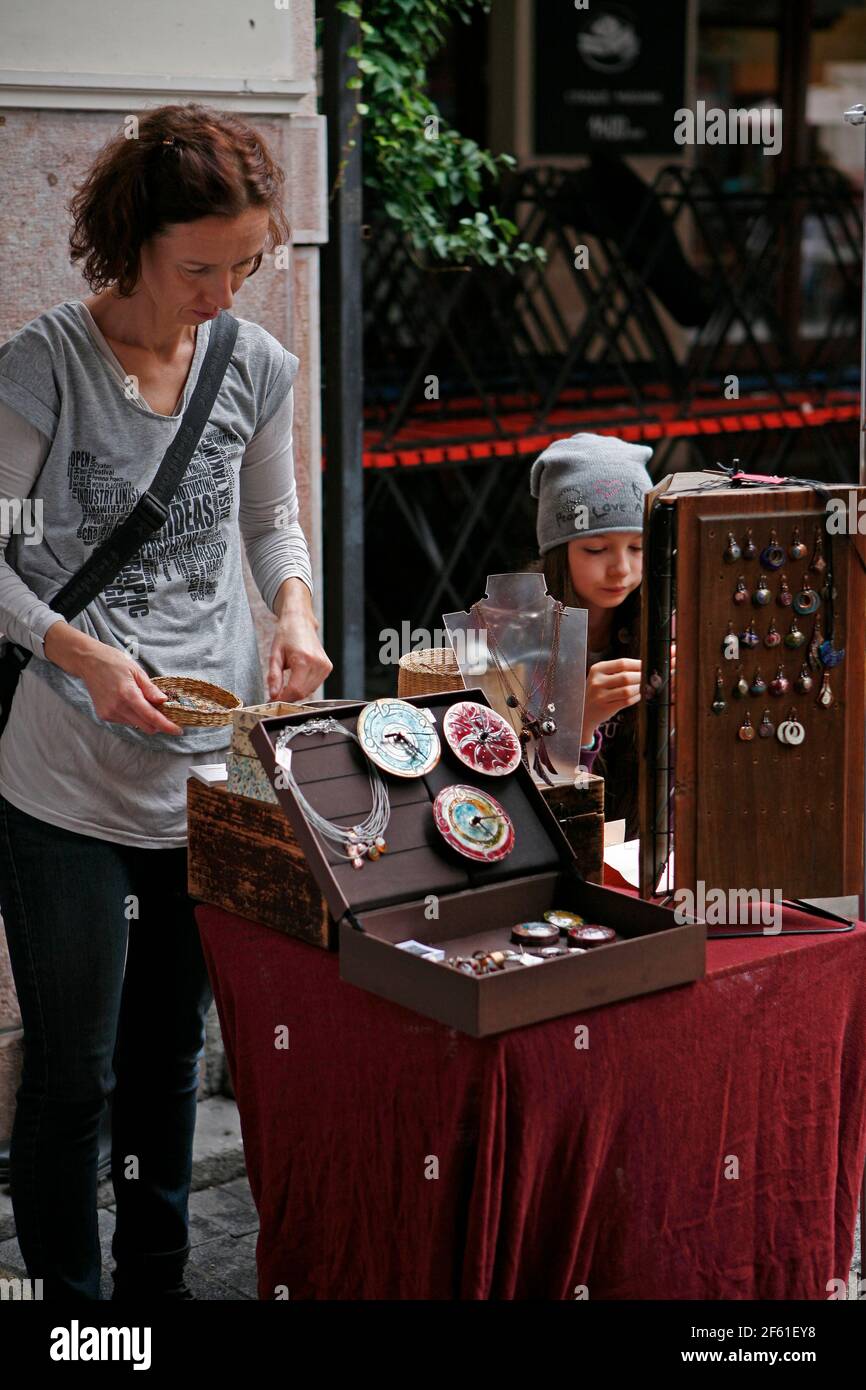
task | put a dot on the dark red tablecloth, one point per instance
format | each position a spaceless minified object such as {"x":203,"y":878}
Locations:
{"x":708,"y":1144}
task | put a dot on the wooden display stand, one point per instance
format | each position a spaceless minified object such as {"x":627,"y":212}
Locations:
{"x":760,"y":813}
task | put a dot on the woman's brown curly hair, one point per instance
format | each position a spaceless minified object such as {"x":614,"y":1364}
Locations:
{"x":183,"y":163}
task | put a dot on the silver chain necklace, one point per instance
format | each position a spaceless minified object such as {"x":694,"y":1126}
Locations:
{"x":352,"y":842}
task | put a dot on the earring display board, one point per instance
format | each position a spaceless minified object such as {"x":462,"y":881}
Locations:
{"x":753,"y":769}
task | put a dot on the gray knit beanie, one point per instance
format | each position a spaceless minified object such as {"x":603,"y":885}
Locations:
{"x":589,"y":484}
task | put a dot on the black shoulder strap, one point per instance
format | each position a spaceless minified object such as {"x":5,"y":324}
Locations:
{"x":151,"y":509}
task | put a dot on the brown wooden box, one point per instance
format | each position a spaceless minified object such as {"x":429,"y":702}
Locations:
{"x":243,"y":855}
{"x":400,"y":895}
{"x":580,"y":812}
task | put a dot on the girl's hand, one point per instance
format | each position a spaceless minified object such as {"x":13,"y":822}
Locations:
{"x":298,"y":663}
{"x":610,"y":686}
{"x":614,"y":685}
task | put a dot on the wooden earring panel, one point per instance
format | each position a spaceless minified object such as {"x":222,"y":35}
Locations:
{"x":763,"y":814}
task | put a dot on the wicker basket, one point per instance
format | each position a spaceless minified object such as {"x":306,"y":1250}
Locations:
{"x":188,"y":685}
{"x":428,"y":671}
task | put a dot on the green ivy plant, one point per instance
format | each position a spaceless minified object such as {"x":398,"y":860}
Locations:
{"x":420,"y":167}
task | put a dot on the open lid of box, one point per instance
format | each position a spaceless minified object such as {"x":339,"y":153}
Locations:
{"x":333,"y":773}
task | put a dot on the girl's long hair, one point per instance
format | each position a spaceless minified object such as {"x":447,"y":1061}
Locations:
{"x":618,"y":762}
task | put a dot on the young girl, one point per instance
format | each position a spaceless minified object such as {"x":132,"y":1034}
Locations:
{"x":590,"y":490}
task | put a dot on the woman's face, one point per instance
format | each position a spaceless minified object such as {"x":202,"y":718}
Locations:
{"x":196,"y":268}
{"x":606,"y":569}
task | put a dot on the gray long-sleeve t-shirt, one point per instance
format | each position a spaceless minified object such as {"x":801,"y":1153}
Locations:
{"x":80,"y":445}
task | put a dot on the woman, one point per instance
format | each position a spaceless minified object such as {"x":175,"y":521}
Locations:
{"x":590,"y":490}
{"x":105,"y":952}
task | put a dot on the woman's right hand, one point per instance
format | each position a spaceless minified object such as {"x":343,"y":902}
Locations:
{"x":120,"y":690}
{"x":610,"y":686}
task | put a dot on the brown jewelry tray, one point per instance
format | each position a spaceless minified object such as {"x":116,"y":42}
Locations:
{"x":389,"y":900}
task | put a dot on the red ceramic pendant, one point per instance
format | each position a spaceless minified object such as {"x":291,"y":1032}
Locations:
{"x":481,"y":738}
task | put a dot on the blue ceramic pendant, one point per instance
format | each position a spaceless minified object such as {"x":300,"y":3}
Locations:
{"x":806,"y":601}
{"x":829,"y":655}
{"x":773,"y":555}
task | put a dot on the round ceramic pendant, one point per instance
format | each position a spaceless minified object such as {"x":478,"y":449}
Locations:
{"x":535,"y":934}
{"x":399,"y":738}
{"x":806,"y":601}
{"x":473,"y":823}
{"x":773,"y":556}
{"x":558,"y":917}
{"x":791,"y":731}
{"x":481,"y":738}
{"x":589,"y":936}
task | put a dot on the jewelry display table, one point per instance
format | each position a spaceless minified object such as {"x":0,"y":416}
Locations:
{"x":705,"y":1142}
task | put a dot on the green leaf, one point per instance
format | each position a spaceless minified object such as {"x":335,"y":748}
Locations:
{"x":422,"y":183}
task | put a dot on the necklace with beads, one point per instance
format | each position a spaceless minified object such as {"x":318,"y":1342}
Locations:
{"x":366,"y":840}
{"x":535,"y":723}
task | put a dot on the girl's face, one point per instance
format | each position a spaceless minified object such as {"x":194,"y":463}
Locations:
{"x":606,"y":569}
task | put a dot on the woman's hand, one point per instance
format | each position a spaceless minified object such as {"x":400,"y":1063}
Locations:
{"x":610,"y":686}
{"x":120,"y":690}
{"x":298,"y":663}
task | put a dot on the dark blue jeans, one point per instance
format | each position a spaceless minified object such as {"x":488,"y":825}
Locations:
{"x":113,"y":991}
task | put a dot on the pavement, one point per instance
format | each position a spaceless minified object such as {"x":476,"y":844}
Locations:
{"x":223,"y":1222}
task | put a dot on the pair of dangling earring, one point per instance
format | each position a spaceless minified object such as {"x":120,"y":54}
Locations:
{"x":790,"y":731}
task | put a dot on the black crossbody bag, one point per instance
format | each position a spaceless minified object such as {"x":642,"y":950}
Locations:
{"x":148,"y":514}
